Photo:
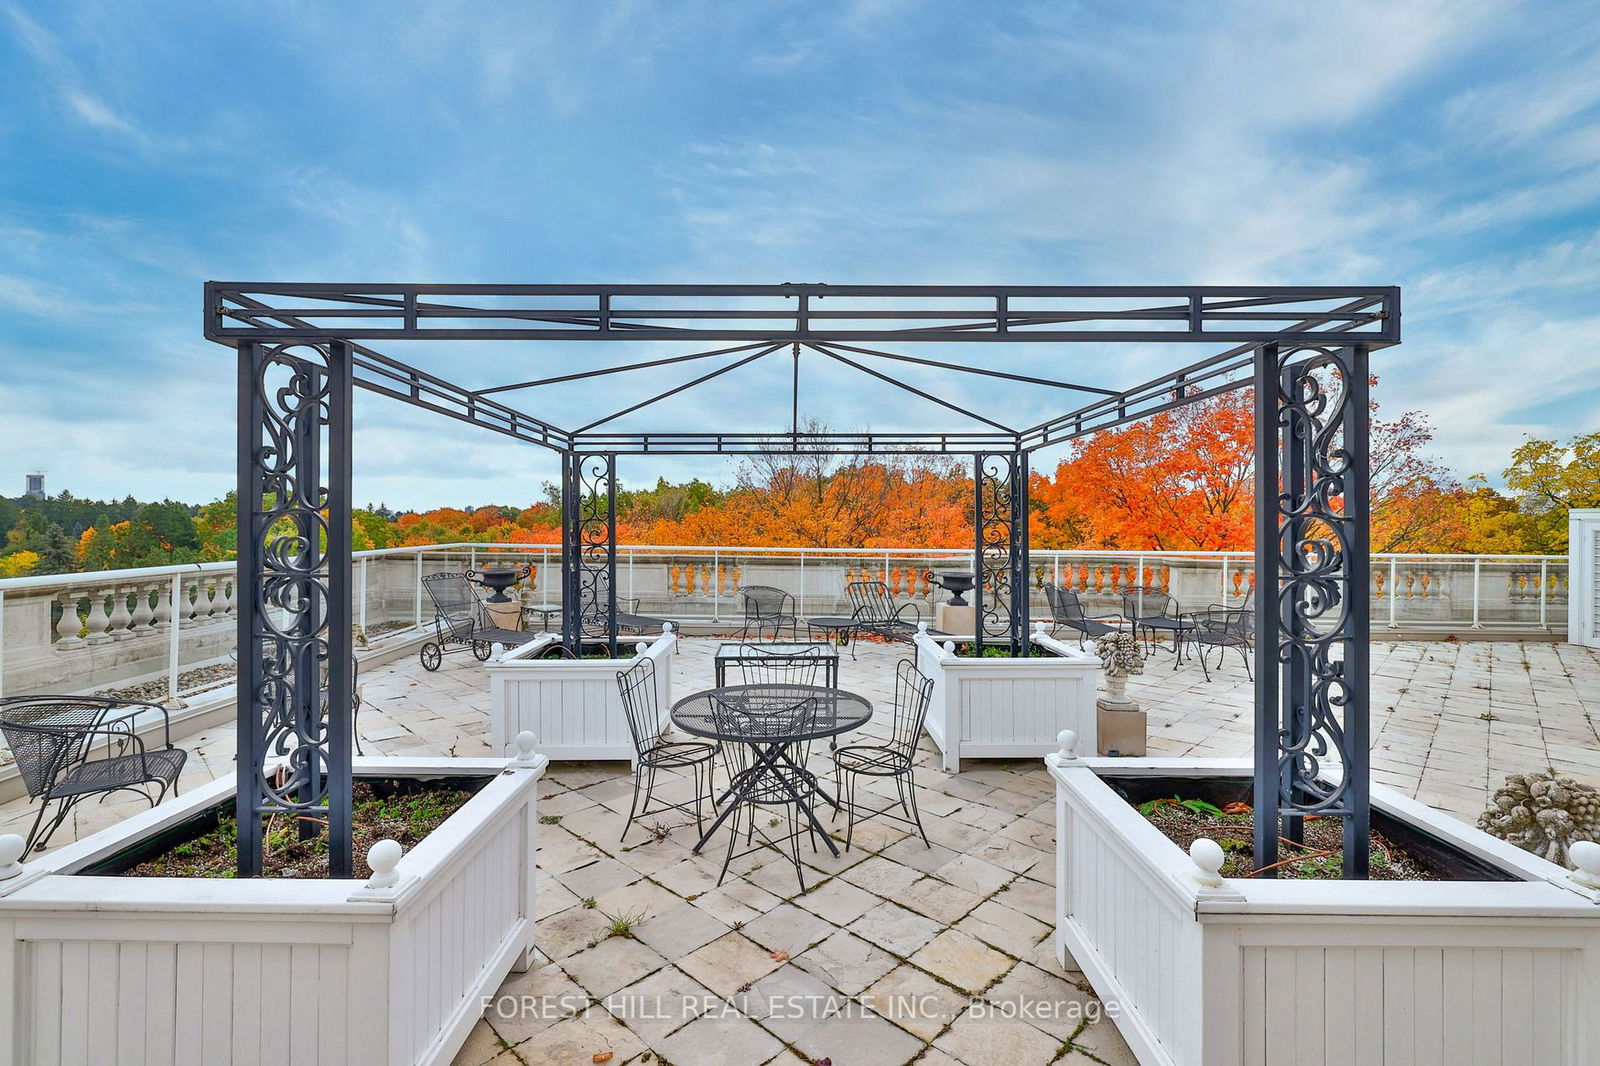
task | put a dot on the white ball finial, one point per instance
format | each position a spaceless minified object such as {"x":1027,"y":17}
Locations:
{"x":383,"y":857}
{"x":11,"y":849}
{"x":667,"y":627}
{"x":525,"y":742}
{"x":1068,"y":739}
{"x":497,"y":651}
{"x":1585,"y":856}
{"x":641,"y":647}
{"x":950,"y":647}
{"x":1208,"y":858}
{"x":922,"y":627}
{"x":1038,"y":627}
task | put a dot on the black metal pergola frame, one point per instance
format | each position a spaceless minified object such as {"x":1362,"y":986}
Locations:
{"x":303,"y":348}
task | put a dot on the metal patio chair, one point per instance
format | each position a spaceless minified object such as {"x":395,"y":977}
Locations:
{"x":874,"y":610}
{"x":893,"y":758}
{"x":460,"y":620}
{"x":766,"y":607}
{"x":1067,"y":610}
{"x":1222,"y":627}
{"x":68,"y":748}
{"x":655,"y":751}
{"x":629,"y":620}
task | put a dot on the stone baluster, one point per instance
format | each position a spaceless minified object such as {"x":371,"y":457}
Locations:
{"x":1116,"y":576}
{"x":70,"y":625}
{"x":1166,"y":579}
{"x":143,"y":613}
{"x":672,"y":579}
{"x":1238,"y":580}
{"x":736,"y":568}
{"x":689,"y":572}
{"x":1427,"y":579}
{"x":1411,"y":585}
{"x":98,"y":622}
{"x":707,"y":580}
{"x":230,"y":594}
{"x":1379,"y":576}
{"x":162,"y":618}
{"x":121,"y":617}
{"x":194,"y":601}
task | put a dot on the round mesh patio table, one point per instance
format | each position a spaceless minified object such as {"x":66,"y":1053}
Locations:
{"x":772,"y":719}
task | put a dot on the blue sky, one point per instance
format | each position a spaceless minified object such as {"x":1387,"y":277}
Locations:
{"x":1452,"y":148}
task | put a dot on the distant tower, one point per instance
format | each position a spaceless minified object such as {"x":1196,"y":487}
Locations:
{"x":36,"y":486}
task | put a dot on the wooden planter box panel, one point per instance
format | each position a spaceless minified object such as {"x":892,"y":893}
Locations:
{"x":99,"y":970}
{"x":1287,"y":972}
{"x":572,"y":705}
{"x":1008,"y":708}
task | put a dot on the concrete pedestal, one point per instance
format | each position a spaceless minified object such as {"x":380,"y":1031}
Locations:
{"x":1120,"y":725}
{"x":962,"y":621}
{"x":504,"y":615}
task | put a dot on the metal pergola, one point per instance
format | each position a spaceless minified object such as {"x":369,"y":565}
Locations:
{"x":304,"y":348}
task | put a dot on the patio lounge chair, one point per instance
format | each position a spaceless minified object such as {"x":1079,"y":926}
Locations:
{"x":1067,"y":610}
{"x":875,"y":612}
{"x":459,"y":619}
{"x":57,"y":743}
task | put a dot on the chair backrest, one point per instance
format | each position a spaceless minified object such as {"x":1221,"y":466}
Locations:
{"x":765,"y":601}
{"x":1064,"y":604}
{"x":455,"y":601}
{"x":1148,"y":603}
{"x":913,"y":690}
{"x":640,"y":705}
{"x":47,"y":734}
{"x":870,"y":600}
{"x":784,"y":664}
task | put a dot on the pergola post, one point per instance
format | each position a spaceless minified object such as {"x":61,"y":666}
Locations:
{"x":588,"y":548}
{"x":1312,"y":596}
{"x":1000,"y":551}
{"x":294,"y":592}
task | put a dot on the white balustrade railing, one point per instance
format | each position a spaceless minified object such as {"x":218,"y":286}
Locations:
{"x":85,"y":632}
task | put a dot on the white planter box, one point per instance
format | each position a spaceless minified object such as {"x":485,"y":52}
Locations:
{"x":1287,"y":972}
{"x":162,"y":970}
{"x":1007,"y":708}
{"x":572,"y":705}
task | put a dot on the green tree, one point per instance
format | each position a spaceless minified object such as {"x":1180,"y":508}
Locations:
{"x":1551,"y":478}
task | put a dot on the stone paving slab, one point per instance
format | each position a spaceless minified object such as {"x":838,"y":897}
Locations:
{"x":897,"y":951}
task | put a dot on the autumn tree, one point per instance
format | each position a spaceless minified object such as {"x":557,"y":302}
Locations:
{"x":1550,"y":479}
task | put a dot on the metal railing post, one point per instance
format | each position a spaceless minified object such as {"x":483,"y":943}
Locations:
{"x":417,"y":619}
{"x":1477,"y":582}
{"x":1224,"y":599}
{"x":716,"y":585}
{"x":361,"y":608}
{"x":630,"y":573}
{"x":1544,"y":581}
{"x":800,"y":600}
{"x":1393,"y":597}
{"x":472,"y":557}
{"x":3,"y":639}
{"x":173,"y":635}
{"x":544,"y":568}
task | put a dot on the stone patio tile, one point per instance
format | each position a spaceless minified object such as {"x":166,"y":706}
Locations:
{"x":640,"y":898}
{"x":990,"y":1041}
{"x":727,"y":963}
{"x":859,"y":1037}
{"x":846,"y":962}
{"x":882,"y":876}
{"x":788,"y":928}
{"x":598,"y":878}
{"x":529,"y":1003}
{"x":569,"y":931}
{"x":962,"y":960}
{"x":689,"y":877}
{"x":895,"y":929}
{"x":659,"y":1004}
{"x":956,"y":836}
{"x":837,"y":900}
{"x":915,"y":1002}
{"x":914,"y":853}
{"x":579,"y":1039}
{"x":679,"y":930}
{"x":552,"y":896}
{"x":974,"y":875}
{"x":720,"y":1038}
{"x":1106,"y":1044}
{"x":560,"y":851}
{"x":564,"y":804}
{"x":736,"y":901}
{"x":939,"y":900}
{"x":1035,"y":899}
{"x":789,"y":1001}
{"x":482,"y":1046}
{"x":1046,"y":1001}
{"x":1011,"y":931}
{"x":612,"y":964}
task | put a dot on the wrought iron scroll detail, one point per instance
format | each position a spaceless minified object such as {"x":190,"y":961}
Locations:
{"x":1313,"y":564}
{"x":589,"y":549}
{"x":293,"y":577}
{"x":1000,"y":524}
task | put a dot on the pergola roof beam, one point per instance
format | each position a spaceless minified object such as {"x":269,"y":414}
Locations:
{"x":913,"y":390}
{"x":702,"y":379}
{"x":581,"y":375}
{"x":986,"y":372}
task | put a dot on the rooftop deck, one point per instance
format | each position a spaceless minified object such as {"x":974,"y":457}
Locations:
{"x":913,"y":932}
